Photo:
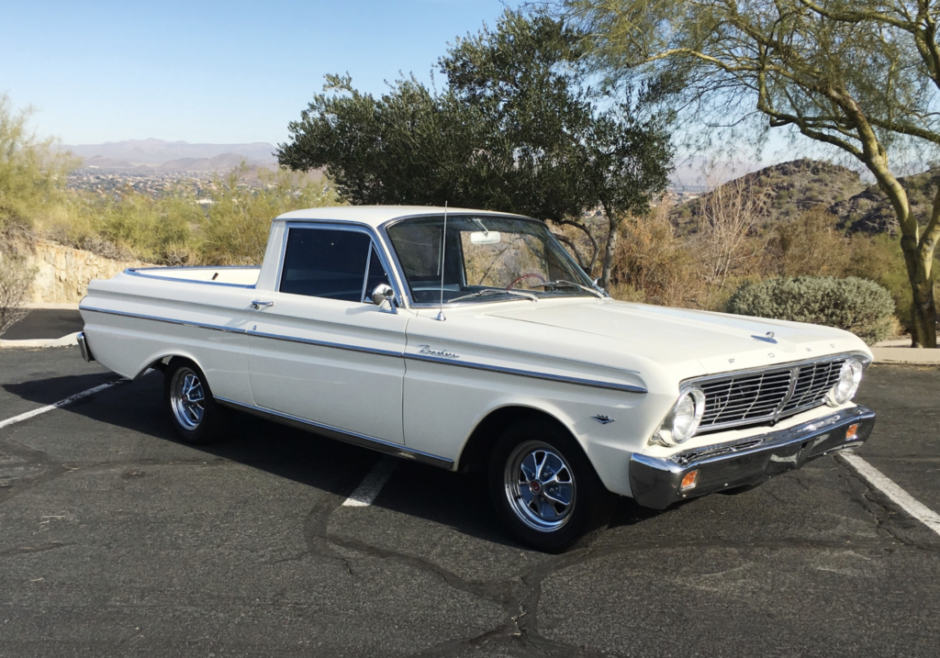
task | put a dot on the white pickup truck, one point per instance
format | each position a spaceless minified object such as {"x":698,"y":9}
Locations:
{"x":466,"y":339}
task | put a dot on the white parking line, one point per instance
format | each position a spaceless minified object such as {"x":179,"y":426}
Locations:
{"x":60,"y":403}
{"x":888,"y":487}
{"x":372,"y":484}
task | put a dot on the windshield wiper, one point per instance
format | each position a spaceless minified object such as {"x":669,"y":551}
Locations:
{"x":570,"y":284}
{"x":495,"y":291}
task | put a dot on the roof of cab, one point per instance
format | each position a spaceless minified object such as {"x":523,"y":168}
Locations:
{"x":372,"y":215}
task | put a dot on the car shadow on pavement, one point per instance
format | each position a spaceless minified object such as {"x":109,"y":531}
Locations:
{"x":459,"y":501}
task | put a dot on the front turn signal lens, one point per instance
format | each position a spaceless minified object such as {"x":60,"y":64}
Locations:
{"x":852,"y":432}
{"x":689,"y":481}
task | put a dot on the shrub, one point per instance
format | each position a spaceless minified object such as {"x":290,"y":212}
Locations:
{"x":15,"y":279}
{"x":857,"y":305}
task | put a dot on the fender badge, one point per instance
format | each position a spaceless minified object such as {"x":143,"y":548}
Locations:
{"x":430,"y":351}
{"x":602,"y":419}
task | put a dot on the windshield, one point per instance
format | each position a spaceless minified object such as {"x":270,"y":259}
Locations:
{"x":486,"y":258}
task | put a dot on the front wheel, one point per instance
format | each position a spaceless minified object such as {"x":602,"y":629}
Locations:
{"x":545,"y":490}
{"x":194,"y":414}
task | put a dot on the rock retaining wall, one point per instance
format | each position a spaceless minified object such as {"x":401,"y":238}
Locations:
{"x":63,"y":272}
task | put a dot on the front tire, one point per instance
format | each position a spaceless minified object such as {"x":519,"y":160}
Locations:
{"x":544,"y":488}
{"x":194,"y":414}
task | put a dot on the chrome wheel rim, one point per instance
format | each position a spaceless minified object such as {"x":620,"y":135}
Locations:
{"x":540,"y":486}
{"x":187,"y":398}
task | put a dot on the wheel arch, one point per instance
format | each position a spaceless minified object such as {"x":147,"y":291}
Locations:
{"x":480,"y":443}
{"x":162,"y":361}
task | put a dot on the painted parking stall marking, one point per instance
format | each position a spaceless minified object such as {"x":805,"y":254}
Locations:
{"x":372,"y":484}
{"x":888,"y":487}
{"x":60,"y":403}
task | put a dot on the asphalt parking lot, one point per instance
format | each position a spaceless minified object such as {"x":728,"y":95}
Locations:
{"x":117,"y":540}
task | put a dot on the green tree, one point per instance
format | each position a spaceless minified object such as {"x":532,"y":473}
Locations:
{"x":32,"y":173}
{"x":861,"y":76}
{"x":516,"y":129}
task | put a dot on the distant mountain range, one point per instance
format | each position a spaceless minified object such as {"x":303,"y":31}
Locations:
{"x":160,"y":155}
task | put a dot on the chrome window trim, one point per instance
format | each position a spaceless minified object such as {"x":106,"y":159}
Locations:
{"x":140,"y":271}
{"x":354,"y":438}
{"x":778,"y":413}
{"x":383,"y":230}
{"x":365,"y":277}
{"x":376,"y":243}
{"x":593,"y":383}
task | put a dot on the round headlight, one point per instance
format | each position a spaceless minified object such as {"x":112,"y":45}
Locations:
{"x":849,"y":378}
{"x":684,"y":419}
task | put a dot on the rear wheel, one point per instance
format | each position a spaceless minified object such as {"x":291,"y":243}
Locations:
{"x":194,"y":414}
{"x":545,"y":490}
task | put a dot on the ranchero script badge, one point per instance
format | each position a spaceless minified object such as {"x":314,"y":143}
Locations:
{"x":430,"y":351}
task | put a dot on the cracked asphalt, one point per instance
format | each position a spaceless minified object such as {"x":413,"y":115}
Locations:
{"x":117,"y":540}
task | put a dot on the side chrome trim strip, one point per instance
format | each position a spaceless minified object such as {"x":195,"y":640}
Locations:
{"x":353,"y":438}
{"x":324,"y":343}
{"x":185,"y":323}
{"x":628,"y":388}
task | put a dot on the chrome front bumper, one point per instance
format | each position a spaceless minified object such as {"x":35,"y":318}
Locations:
{"x":656,"y":482}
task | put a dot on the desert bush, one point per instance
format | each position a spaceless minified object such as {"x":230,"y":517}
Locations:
{"x":810,"y":245}
{"x":653,"y":265}
{"x":857,"y":305}
{"x":32,"y":172}
{"x":128,"y":225}
{"x":728,"y":242}
{"x":879,"y":259}
{"x":15,"y":280}
{"x":235,"y":229}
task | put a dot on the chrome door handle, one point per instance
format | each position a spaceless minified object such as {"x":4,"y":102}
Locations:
{"x":259,"y":305}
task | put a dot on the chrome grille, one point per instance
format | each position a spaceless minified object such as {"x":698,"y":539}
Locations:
{"x":759,"y":397}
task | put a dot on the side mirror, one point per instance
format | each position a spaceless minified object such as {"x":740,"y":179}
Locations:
{"x":383,"y":293}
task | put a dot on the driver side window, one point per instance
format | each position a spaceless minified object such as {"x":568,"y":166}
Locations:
{"x":331,"y":263}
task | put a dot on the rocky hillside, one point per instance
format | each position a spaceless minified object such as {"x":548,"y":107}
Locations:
{"x":791,"y":188}
{"x":871,"y":212}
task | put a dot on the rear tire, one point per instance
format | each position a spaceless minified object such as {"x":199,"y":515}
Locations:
{"x":194,"y":414}
{"x":545,"y":489}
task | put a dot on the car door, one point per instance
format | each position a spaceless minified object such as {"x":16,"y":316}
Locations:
{"x":319,"y":349}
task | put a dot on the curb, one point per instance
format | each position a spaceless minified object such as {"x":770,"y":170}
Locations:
{"x":64,"y":306}
{"x":899,"y":350}
{"x":65,"y":341}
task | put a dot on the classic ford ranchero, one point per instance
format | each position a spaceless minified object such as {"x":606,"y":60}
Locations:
{"x":462,"y":339}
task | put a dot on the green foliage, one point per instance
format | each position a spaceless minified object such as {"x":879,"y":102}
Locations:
{"x":862,"y":307}
{"x":860,"y":77}
{"x":515,"y":130}
{"x":235,"y":229}
{"x":32,"y":173}
{"x":880,"y":259}
{"x":129,"y":225}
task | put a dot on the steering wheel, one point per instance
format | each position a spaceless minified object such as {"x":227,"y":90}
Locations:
{"x":526,"y":276}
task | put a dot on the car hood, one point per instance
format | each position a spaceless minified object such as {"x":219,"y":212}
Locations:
{"x":718,"y":342}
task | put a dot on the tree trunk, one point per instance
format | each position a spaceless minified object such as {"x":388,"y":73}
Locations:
{"x":924,"y":308}
{"x":614,"y":230}
{"x":918,"y":254}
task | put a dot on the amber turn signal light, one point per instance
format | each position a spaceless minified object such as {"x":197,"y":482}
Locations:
{"x":689,"y":481}
{"x":852,"y":432}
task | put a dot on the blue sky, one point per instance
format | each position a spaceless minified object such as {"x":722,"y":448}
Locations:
{"x":207,"y":71}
